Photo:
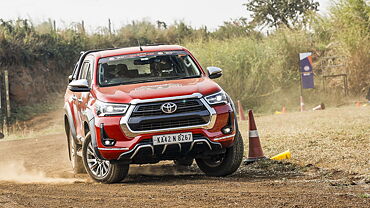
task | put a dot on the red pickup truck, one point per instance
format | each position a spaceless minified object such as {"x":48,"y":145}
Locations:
{"x":146,"y":104}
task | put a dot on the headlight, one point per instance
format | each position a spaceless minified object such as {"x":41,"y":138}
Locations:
{"x":217,"y":98}
{"x":103,"y":109}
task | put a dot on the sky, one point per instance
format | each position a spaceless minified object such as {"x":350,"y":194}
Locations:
{"x":95,"y":13}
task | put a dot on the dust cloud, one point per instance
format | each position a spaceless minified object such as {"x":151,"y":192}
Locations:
{"x":162,"y":170}
{"x":15,"y":171}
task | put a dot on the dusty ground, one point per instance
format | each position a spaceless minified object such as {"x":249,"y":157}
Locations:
{"x":330,"y":168}
{"x":336,"y":138}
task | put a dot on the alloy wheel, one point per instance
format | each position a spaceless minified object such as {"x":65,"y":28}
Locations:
{"x":98,"y":167}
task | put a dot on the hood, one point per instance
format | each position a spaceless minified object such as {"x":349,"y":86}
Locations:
{"x":171,"y":88}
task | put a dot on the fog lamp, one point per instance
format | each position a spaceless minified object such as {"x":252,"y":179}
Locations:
{"x":227,"y":130}
{"x":104,"y":138}
{"x":109,"y":142}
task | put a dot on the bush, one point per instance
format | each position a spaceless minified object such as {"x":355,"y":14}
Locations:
{"x":260,"y":70}
{"x":255,"y":69}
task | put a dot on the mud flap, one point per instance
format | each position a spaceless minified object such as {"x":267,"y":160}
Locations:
{"x":71,"y":127}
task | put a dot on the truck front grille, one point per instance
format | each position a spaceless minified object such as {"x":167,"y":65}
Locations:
{"x":153,"y":109}
{"x":170,"y":124}
{"x":149,"y":116}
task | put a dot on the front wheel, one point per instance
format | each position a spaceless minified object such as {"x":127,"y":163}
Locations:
{"x":101,"y":170}
{"x":224,"y":164}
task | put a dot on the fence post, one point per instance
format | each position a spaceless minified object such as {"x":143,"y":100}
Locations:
{"x":7,"y":101}
{"x":1,"y":108}
{"x":6,"y":77}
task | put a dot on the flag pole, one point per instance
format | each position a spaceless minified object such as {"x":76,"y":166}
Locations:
{"x":300,"y":84}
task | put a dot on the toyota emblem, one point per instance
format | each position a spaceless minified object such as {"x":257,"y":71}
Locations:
{"x":169,"y":107}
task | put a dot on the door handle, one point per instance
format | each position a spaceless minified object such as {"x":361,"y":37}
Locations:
{"x":74,"y":97}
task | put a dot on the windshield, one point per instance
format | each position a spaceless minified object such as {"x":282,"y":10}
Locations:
{"x":146,"y":67}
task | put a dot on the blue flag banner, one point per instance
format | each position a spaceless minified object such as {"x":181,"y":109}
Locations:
{"x":305,"y":68}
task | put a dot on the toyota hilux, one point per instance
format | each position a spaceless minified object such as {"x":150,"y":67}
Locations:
{"x":146,"y":104}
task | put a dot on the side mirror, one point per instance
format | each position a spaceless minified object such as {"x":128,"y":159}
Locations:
{"x":81,"y":85}
{"x":70,"y":78}
{"x":214,"y":72}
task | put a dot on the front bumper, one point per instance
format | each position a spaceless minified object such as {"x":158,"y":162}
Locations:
{"x":145,"y":151}
{"x":131,"y":145}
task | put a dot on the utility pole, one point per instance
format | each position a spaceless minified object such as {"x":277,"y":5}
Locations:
{"x":83,"y":26}
{"x":110,"y":26}
{"x":54,"y":26}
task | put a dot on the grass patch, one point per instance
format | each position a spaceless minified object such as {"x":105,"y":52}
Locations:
{"x":27,"y":112}
{"x":32,"y":121}
{"x":365,"y":196}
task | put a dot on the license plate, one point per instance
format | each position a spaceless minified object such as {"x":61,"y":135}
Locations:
{"x":173,"y":138}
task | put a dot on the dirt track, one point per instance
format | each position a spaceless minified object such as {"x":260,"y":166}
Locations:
{"x":47,"y":181}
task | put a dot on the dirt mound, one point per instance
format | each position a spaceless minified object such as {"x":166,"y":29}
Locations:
{"x":269,"y":169}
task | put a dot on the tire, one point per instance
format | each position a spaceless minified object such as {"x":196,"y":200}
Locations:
{"x":101,"y":170}
{"x":185,"y":162}
{"x":224,"y":164}
{"x":76,"y":161}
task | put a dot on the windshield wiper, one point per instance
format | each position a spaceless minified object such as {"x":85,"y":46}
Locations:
{"x":174,"y":78}
{"x":123,"y":83}
{"x":132,"y":82}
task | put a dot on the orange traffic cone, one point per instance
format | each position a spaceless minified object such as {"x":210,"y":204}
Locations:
{"x":241,"y":111}
{"x":283,"y":110}
{"x":255,"y":149}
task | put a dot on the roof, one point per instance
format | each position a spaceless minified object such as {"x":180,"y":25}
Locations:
{"x":129,"y":50}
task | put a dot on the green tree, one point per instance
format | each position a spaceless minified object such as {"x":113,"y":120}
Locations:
{"x":274,"y":13}
{"x":235,"y":28}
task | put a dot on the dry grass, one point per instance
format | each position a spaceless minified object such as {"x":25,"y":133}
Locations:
{"x":46,"y":124}
{"x":336,"y":138}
